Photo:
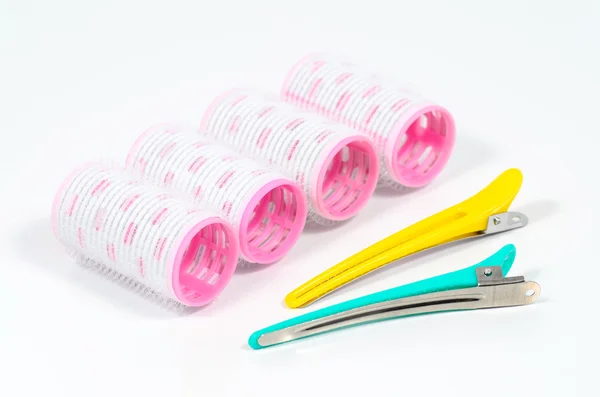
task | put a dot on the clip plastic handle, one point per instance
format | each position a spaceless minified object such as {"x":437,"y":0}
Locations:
{"x":469,"y":218}
{"x":464,"y":278}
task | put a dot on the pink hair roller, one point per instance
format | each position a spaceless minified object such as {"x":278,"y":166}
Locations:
{"x":178,"y":254}
{"x":336,"y":167}
{"x":267,"y":210}
{"x":414,"y":136}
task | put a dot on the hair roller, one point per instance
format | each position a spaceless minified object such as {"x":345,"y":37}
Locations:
{"x":144,"y":237}
{"x":336,"y":167}
{"x":414,"y":136}
{"x":267,"y":209}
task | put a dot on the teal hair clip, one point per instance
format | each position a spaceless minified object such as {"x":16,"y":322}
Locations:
{"x":480,"y":286}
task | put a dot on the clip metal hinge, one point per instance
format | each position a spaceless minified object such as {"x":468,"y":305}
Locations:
{"x":493,"y":276}
{"x":505,"y":221}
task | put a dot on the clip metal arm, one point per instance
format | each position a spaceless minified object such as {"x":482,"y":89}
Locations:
{"x":504,"y":222}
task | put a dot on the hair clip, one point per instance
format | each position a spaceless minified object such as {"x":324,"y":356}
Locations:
{"x":480,"y":286}
{"x":481,"y":215}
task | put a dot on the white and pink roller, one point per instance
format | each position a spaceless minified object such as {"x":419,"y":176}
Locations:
{"x":336,"y":167}
{"x":413,"y":135}
{"x":267,"y":210}
{"x":170,"y":249}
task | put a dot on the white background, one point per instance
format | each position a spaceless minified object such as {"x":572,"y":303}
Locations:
{"x":81,"y":80}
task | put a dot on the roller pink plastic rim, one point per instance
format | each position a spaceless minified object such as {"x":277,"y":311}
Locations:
{"x":255,"y":210}
{"x":342,"y":210}
{"x":186,"y":290}
{"x":252,"y":233}
{"x":440,"y":136}
{"x":444,"y":145}
{"x":356,"y":144}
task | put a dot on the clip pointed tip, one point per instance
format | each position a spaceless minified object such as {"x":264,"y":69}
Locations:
{"x":253,"y":341}
{"x":510,"y":247}
{"x":292,"y":302}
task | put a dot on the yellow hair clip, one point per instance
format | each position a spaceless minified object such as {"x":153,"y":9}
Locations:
{"x":480,"y":215}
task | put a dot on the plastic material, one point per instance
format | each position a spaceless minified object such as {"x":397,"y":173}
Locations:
{"x":414,"y":136}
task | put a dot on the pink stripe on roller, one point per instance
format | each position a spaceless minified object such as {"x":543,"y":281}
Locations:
{"x":227,"y":208}
{"x":141,"y":266}
{"x":292,"y":125}
{"x":129,"y":201}
{"x":371,"y":114}
{"x":141,"y":165}
{"x":343,"y":101}
{"x":293,"y":148}
{"x":159,"y":216}
{"x":300,"y":179}
{"x":371,"y":91}
{"x":130,"y":233}
{"x":357,"y":99}
{"x":100,"y":187}
{"x":240,"y":99}
{"x":399,"y":105}
{"x":168,"y":179}
{"x":343,"y":77}
{"x":262,"y":138}
{"x":198,"y":162}
{"x":159,"y":248}
{"x":110,"y":252}
{"x":233,"y":127}
{"x":73,"y":204}
{"x":314,"y":88}
{"x":226,"y":177}
{"x":324,"y":135}
{"x":266,"y":111}
{"x":81,"y":238}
